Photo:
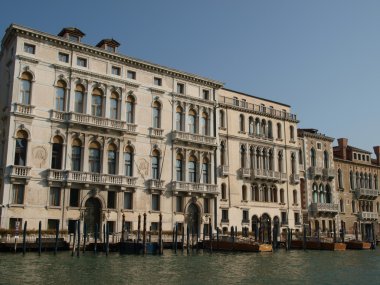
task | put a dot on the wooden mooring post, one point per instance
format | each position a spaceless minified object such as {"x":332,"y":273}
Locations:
{"x":78,"y":246}
{"x":304,"y":238}
{"x":96,"y":237}
{"x":107,"y":239}
{"x":160,"y":243}
{"x":210,"y":233}
{"x":39,"y":238}
{"x":176,"y":238}
{"x":24,"y":239}
{"x":56,"y":237}
{"x":144,"y":234}
{"x":187,"y":238}
{"x":84,"y":237}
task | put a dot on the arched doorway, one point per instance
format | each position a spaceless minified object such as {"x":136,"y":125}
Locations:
{"x":276,"y":226}
{"x":193,"y":218}
{"x":266,"y":228}
{"x":92,"y":214}
{"x":255,"y":226}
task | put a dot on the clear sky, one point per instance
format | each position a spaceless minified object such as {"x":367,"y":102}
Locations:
{"x":321,"y":57}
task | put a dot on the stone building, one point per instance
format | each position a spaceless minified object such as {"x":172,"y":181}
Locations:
{"x":318,"y":194}
{"x":357,"y":184}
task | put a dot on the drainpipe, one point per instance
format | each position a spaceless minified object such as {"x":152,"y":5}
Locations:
{"x":215,"y":162}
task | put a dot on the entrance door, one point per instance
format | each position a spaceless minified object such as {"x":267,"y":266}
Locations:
{"x":193,"y":218}
{"x":266,"y":228}
{"x":92,"y":214}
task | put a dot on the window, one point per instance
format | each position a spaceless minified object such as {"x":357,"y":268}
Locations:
{"x":179,"y":119}
{"x":297,"y":218}
{"x":55,"y":196}
{"x":355,"y":156}
{"x":128,"y":226}
{"x":81,"y":61}
{"x":353,"y":206}
{"x":74,"y":197}
{"x":112,"y":159}
{"x":97,"y":102}
{"x":110,"y":48}
{"x":25,"y":88}
{"x":284,"y":218}
{"x":155,"y":202}
{"x":241,"y":123}
{"x":224,"y":192}
{"x":312,"y":157}
{"x":111,"y":199}
{"x":116,"y":70}
{"x":130,"y":109}
{"x":128,"y":162}
{"x":300,"y":157}
{"x":60,"y":91}
{"x":114,"y":106}
{"x":325,"y":159}
{"x":225,"y":215}
{"x":179,"y":206}
{"x":179,"y":168}
{"x":244,"y":193}
{"x":21,"y":148}
{"x":242,"y":156}
{"x":291,"y":133}
{"x":341,"y":205}
{"x":282,"y":196}
{"x":222,"y":153}
{"x":156,"y":164}
{"x":340,"y":179}
{"x":204,"y":124}
{"x":76,"y":155}
{"x":156,"y":115}
{"x":63,"y":57}
{"x":154,"y":226}
{"x":279,"y":131}
{"x":180,"y":88}
{"x":157,"y":81}
{"x":255,"y":194}
{"x":128,"y":202}
{"x":57,"y":153}
{"x":221,"y":119}
{"x":279,"y":162}
{"x":192,"y":166}
{"x":78,"y":101}
{"x":28,"y":48}
{"x":206,"y":94}
{"x":192,"y":121}
{"x":73,"y":38}
{"x":251,"y":125}
{"x":270,"y":130}
{"x":205,"y":171}
{"x":245,"y":216}
{"x":206,"y":202}
{"x":52,"y":224}
{"x":94,"y":157}
{"x":131,"y":74}
{"x":295,"y":200}
{"x":18,"y":194}
{"x":319,"y":146}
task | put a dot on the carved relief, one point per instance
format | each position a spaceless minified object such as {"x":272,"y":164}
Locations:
{"x":143,"y":167}
{"x":39,"y":156}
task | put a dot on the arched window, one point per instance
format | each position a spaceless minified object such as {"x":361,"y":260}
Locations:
{"x":94,"y":157}
{"x":112,"y":159}
{"x":270,"y":130}
{"x":241,"y":123}
{"x":21,"y":148}
{"x":340,"y":179}
{"x":224,"y":192}
{"x":366,"y":181}
{"x":376,"y":182}
{"x":114,"y":106}
{"x":192,"y":169}
{"x":56,"y":156}
{"x":322,"y":198}
{"x":300,"y":157}
{"x":280,"y":162}
{"x":328,"y":194}
{"x":274,"y":194}
{"x":222,"y":153}
{"x":295,"y":199}
{"x":341,"y":205}
{"x":192,"y":121}
{"x":264,"y":128}
{"x":282,"y":196}
{"x":79,"y":99}
{"x":128,"y":161}
{"x":293,"y":163}
{"x":315,"y":193}
{"x":251,"y":125}
{"x":266,"y":193}
{"x":258,"y":159}
{"x":97,"y":102}
{"x":25,"y":88}
{"x":221,"y":119}
{"x":265,"y":159}
{"x":76,"y":155}
{"x":312,"y":157}
{"x":205,"y":171}
{"x":325,"y":159}
{"x":353,"y":206}
{"x":242,"y":156}
{"x":270,"y":160}
{"x":258,"y":126}
{"x":130,"y":109}
{"x":155,"y":164}
{"x":204,"y":124}
{"x":179,"y":167}
{"x":370,"y":184}
{"x":179,"y":119}
{"x":279,"y":131}
{"x":352,"y":180}
{"x":291,"y":129}
{"x":244,"y":193}
{"x":156,"y":114}
{"x":60,"y":92}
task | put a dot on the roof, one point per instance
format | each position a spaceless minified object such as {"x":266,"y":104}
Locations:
{"x":71,"y":30}
{"x":314,"y":134}
{"x":109,"y":42}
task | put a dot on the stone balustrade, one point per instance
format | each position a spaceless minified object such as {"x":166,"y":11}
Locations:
{"x":294,"y":178}
{"x":363,"y":193}
{"x":369,"y":216}
{"x":23,"y":109}
{"x":194,"y":138}
{"x":194,"y":187}
{"x":315,"y":171}
{"x":19,"y":171}
{"x":324,"y":207}
{"x":156,"y":133}
{"x":329,"y":173}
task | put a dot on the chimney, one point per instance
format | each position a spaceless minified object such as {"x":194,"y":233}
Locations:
{"x":376,"y":149}
{"x":343,"y":142}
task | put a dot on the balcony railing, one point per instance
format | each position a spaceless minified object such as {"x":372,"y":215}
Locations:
{"x":18,"y":171}
{"x":363,"y":193}
{"x":23,"y":109}
{"x":324,"y":207}
{"x":194,"y":187}
{"x":194,"y":138}
{"x":156,"y":133}
{"x":329,"y":173}
{"x":224,"y":170}
{"x":294,"y":178}
{"x":315,"y":171}
{"x":368,"y":216}
{"x":257,"y":108}
{"x":266,"y":174}
{"x":245,"y":172}
{"x":155,"y":184}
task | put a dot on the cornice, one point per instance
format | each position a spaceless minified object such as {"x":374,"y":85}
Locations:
{"x":316,"y":136}
{"x":190,"y":99}
{"x":27,"y":59}
{"x":356,"y":163}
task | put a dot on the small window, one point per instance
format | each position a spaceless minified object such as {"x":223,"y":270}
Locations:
{"x":245,"y":215}
{"x":206,"y":94}
{"x":355,"y":156}
{"x":18,"y":194}
{"x":179,"y":204}
{"x":206,"y":205}
{"x":367,"y":157}
{"x":319,"y":146}
{"x":55,"y":196}
{"x":154,"y":226}
{"x":63,"y":57}
{"x":15,"y":223}
{"x":128,"y":205}
{"x":74,"y":197}
{"x":82,"y":62}
{"x":155,"y":202}
{"x":111,"y":200}
{"x":284,"y":219}
{"x":52,"y":224}
{"x":28,"y":48}
{"x":111,"y":227}
{"x":116,"y":70}
{"x":73,"y":38}
{"x":180,"y":88}
{"x":297,"y":218}
{"x":110,"y":49}
{"x":225,"y":215}
{"x":158,"y":81}
{"x":131,"y":74}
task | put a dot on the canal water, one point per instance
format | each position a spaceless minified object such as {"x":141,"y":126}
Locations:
{"x":281,"y":267}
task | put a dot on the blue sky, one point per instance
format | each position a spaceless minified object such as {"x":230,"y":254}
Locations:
{"x":321,"y":57}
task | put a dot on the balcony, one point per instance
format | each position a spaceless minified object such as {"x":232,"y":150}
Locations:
{"x":191,"y":138}
{"x":369,"y":194}
{"x":20,"y":172}
{"x":23,"y":110}
{"x":156,"y":185}
{"x":315,"y":171}
{"x":368,"y":216}
{"x":190,"y":187}
{"x":245,"y":173}
{"x":224,"y":170}
{"x":294,"y":179}
{"x":265,"y":174}
{"x":324,"y":208}
{"x":156,"y":133}
{"x":329,"y":173}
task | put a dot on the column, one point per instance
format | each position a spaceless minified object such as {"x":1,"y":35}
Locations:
{"x":87,"y":95}
{"x":67,"y":160}
{"x":120,"y":158}
{"x":211,"y":131}
{"x":122,"y":102}
{"x":211,"y":166}
{"x":85,"y":152}
{"x":70,"y":93}
{"x":106,"y":103}
{"x":186,"y":128}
